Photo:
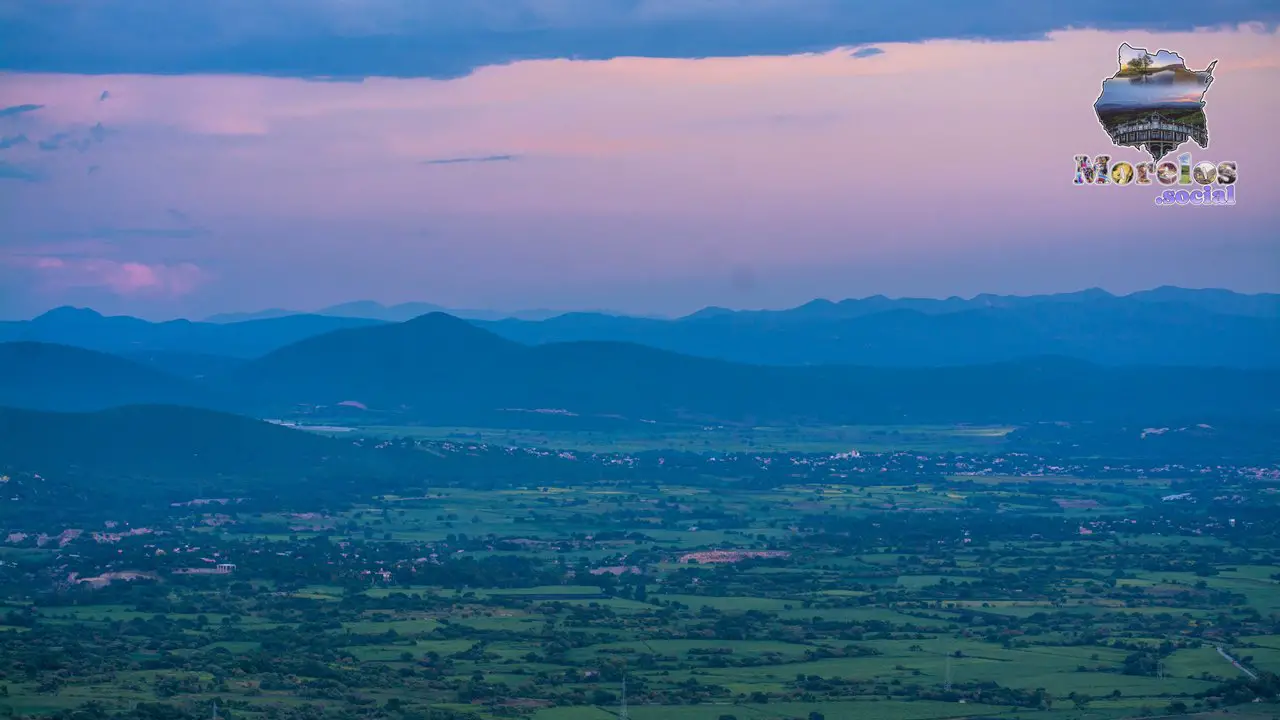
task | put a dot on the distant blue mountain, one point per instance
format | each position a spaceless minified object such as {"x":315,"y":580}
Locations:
{"x":129,"y":335}
{"x":1163,"y":326}
{"x":368,"y":309}
{"x":442,"y":370}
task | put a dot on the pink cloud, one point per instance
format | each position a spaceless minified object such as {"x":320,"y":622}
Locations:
{"x":121,"y":278}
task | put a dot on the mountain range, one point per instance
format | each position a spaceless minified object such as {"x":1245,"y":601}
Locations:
{"x":370,"y":310}
{"x":439,"y":369}
{"x":442,"y":370}
{"x":1211,"y":299}
{"x":1109,"y":331}
{"x":1164,"y":326}
{"x":123,"y":335}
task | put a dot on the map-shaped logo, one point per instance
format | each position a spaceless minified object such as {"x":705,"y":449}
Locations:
{"x":1154,"y":102}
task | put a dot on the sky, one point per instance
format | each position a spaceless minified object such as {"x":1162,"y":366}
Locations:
{"x":642,"y":156}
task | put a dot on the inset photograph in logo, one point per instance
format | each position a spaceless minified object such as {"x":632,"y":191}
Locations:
{"x":1155,"y":104}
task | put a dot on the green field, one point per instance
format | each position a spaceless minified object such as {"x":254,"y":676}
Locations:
{"x":821,"y":594}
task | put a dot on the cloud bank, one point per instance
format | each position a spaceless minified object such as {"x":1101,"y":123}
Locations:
{"x":18,"y":110}
{"x":119,"y":278}
{"x":470,"y":160}
{"x":450,"y":38}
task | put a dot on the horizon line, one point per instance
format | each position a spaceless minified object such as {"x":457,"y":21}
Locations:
{"x":495,"y":315}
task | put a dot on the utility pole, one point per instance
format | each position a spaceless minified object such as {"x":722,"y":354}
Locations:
{"x":947,"y":686}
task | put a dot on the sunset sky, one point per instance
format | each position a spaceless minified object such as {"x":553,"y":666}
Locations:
{"x":645,"y":156}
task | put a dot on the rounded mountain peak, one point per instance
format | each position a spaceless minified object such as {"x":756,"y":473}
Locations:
{"x":68,"y":313}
